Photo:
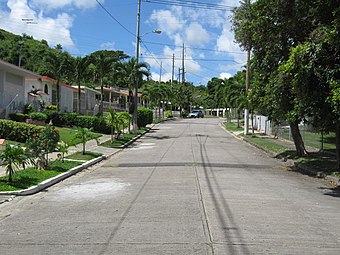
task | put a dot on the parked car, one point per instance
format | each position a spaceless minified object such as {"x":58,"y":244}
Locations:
{"x":196,"y":114}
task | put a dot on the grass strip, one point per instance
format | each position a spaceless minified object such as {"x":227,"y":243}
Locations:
{"x":68,"y":135}
{"x":231,"y":126}
{"x":267,"y":144}
{"x":29,"y":177}
{"x":123,"y":139}
{"x":86,"y":157}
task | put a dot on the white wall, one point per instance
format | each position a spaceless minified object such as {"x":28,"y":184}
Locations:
{"x":66,"y":99}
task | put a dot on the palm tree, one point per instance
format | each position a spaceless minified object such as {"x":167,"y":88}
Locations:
{"x":111,"y":119}
{"x":57,"y":65}
{"x":130,"y":71}
{"x":80,"y":66}
{"x":13,"y":157}
{"x":103,"y":66}
{"x":84,"y":134}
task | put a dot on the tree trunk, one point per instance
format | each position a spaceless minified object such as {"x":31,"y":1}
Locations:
{"x":79,"y":94}
{"x":101,"y":97}
{"x":58,"y":96}
{"x":297,"y":138}
{"x":337,"y":143}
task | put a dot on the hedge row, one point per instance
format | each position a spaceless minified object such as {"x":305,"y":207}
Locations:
{"x":144,"y":117}
{"x":73,"y":119}
{"x":17,"y":131}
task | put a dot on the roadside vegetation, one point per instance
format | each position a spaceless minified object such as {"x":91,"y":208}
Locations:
{"x":31,"y":176}
{"x":318,"y":161}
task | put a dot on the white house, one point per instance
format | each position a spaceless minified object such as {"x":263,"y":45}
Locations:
{"x":88,"y":100}
{"x":45,"y":90}
{"x":12,"y":87}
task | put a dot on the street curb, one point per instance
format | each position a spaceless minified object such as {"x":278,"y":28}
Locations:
{"x":298,"y":167}
{"x":49,"y":182}
{"x":131,"y":141}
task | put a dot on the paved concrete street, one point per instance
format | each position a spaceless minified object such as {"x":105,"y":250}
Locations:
{"x":187,"y":187}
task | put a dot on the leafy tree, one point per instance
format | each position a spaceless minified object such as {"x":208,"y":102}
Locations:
{"x":42,"y":144}
{"x":274,"y":27}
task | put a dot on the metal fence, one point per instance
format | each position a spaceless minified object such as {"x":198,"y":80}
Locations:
{"x":318,"y":140}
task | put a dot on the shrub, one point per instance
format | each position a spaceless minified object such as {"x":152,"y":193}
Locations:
{"x":97,"y":124}
{"x":51,"y":107}
{"x":38,"y":116}
{"x":54,"y":117}
{"x":168,"y":114}
{"x":42,"y":144}
{"x":144,"y":117}
{"x":28,"y":108}
{"x":70,"y":118}
{"x":85,"y":121}
{"x":19,"y":117}
{"x":101,"y":126}
{"x":17,"y":131}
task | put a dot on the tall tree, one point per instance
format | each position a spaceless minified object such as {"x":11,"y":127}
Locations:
{"x":57,"y":65}
{"x":80,"y":66}
{"x":129,"y":71}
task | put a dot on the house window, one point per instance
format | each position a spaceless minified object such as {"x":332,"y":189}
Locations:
{"x":46,"y":89}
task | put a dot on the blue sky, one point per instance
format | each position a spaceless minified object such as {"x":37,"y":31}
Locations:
{"x":83,"y":26}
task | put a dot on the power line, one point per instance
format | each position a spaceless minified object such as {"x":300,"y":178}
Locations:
{"x":115,"y":18}
{"x":194,"y":59}
{"x":192,"y":4}
{"x":152,"y":56}
{"x":195,"y":48}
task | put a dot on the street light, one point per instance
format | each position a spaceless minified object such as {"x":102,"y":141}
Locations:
{"x":135,"y":96}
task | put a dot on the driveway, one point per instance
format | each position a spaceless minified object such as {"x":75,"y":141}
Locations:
{"x":187,"y":187}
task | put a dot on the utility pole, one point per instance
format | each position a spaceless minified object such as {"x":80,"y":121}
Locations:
{"x":183,"y":72}
{"x":160,"y":73}
{"x":173,"y":68}
{"x":135,"y":98}
{"x":179,"y":75}
{"x":246,"y":111}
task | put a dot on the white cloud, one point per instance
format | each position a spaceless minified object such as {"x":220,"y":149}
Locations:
{"x":56,"y":4}
{"x":196,"y":35}
{"x":225,"y":75}
{"x":108,"y":46}
{"x":53,"y":30}
{"x":166,"y":21}
{"x":225,"y":42}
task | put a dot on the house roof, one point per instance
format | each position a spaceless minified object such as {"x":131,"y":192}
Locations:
{"x":117,"y":90}
{"x":18,"y":70}
{"x":87,"y":88}
{"x":46,"y":78}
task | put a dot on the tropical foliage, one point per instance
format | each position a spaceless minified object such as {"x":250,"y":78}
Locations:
{"x":295,"y":62}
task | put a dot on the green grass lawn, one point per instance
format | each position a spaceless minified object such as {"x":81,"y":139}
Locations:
{"x":317,"y":161}
{"x":123,"y":139}
{"x":267,"y":144}
{"x":68,"y":135}
{"x":29,"y":177}
{"x":231,"y":126}
{"x":88,"y":155}
{"x":313,"y":139}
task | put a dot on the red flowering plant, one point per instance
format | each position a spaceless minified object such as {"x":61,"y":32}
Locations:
{"x":42,"y":144}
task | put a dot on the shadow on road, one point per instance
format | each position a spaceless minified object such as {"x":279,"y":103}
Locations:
{"x":224,"y":213}
{"x":333,"y":192}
